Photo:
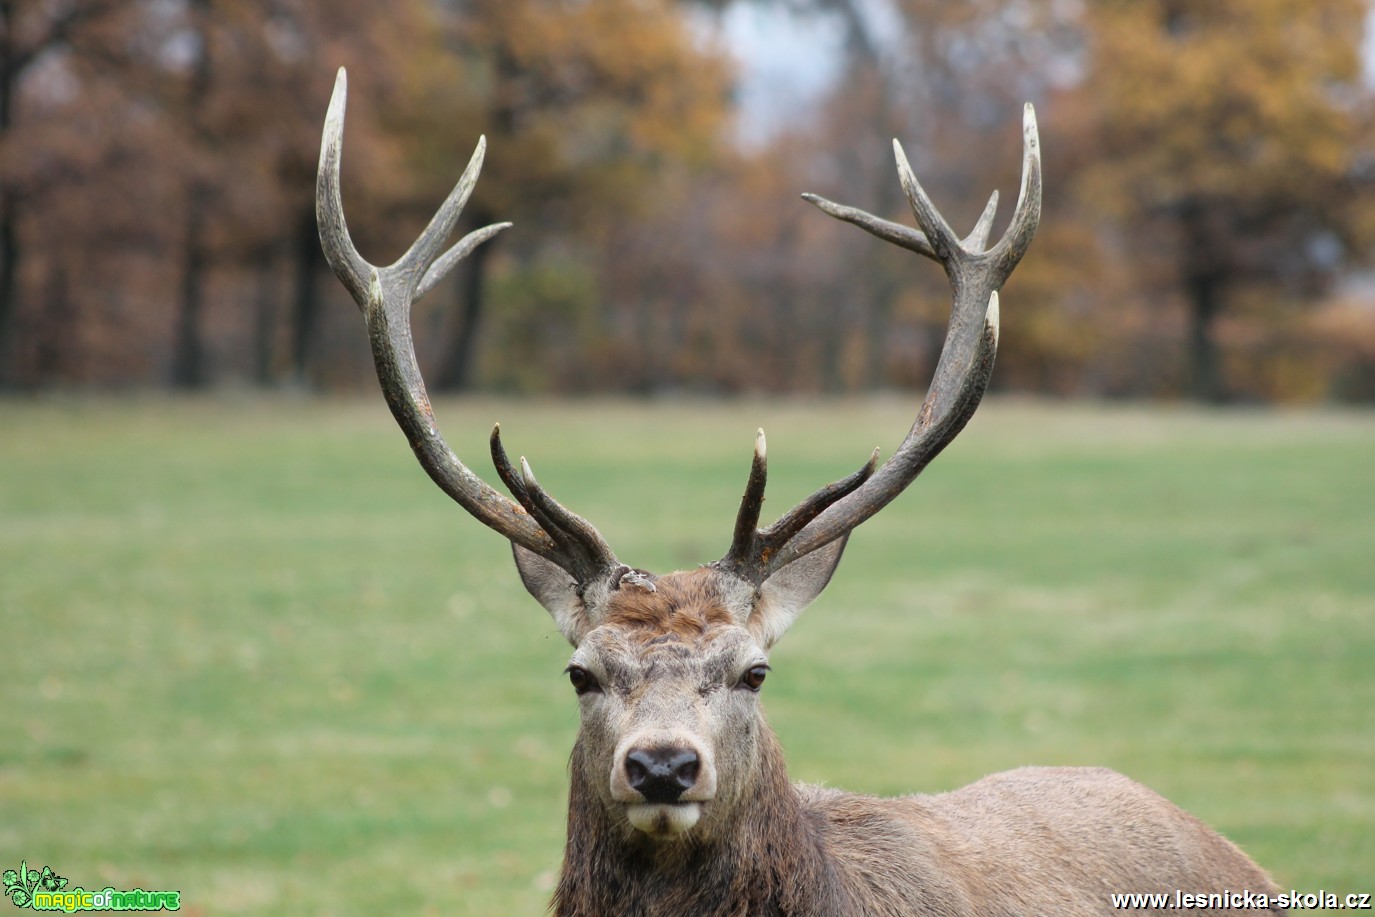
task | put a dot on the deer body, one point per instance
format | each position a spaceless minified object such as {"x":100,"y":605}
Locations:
{"x":1001,"y":846}
{"x":1031,"y":841}
{"x":680,"y":802}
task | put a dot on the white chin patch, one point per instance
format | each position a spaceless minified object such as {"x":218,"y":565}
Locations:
{"x":660,"y":820}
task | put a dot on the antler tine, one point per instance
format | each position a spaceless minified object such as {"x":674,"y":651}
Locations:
{"x":419,"y":260}
{"x":751,"y":504}
{"x":938,"y":232}
{"x":888,"y":231}
{"x":385,"y":296}
{"x":511,"y":477}
{"x":795,"y":519}
{"x":977,"y":240}
{"x":462,"y":249}
{"x":573,"y":532}
{"x":751,"y":547}
{"x":340,"y":252}
{"x":903,"y":236}
{"x":1027,"y":215}
{"x":965,"y":365}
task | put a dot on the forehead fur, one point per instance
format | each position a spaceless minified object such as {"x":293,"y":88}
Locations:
{"x":686,"y":605}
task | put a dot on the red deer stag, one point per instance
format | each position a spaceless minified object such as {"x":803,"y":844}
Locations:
{"x":680,"y":802}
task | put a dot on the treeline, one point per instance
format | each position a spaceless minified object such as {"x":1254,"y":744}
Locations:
{"x":1209,"y":179}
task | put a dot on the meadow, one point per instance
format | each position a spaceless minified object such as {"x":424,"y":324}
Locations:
{"x":252,"y":654}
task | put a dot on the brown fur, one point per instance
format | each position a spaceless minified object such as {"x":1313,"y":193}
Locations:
{"x":1054,"y":841}
{"x":1035,"y":841}
{"x":685,"y":605}
{"x":773,"y":861}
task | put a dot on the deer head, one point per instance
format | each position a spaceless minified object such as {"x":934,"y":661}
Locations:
{"x":668,"y":668}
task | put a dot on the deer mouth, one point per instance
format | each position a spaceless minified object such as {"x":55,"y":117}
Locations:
{"x":663,"y":819}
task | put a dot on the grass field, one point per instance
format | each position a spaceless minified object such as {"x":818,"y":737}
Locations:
{"x":250,"y":653}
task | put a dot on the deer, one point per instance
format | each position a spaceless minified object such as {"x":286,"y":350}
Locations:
{"x":679,"y":797}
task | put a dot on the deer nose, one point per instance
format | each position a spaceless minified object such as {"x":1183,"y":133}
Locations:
{"x":662,"y":774}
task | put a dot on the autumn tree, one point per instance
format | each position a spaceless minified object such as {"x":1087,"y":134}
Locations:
{"x":164,"y":185}
{"x":1229,"y":141}
{"x":586,"y":106}
{"x":948,"y":78}
{"x":33,"y":38}
{"x":245,"y":96}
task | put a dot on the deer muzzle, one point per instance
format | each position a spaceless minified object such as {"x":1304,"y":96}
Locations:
{"x":663,"y":781}
{"x":662,"y":774}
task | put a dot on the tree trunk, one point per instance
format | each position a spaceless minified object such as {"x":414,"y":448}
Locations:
{"x":9,"y":289}
{"x":265,"y":319}
{"x":305,"y":305}
{"x":1204,"y":286}
{"x":456,"y":372}
{"x":15,"y":58}
{"x":456,"y":369}
{"x":9,"y":233}
{"x":188,"y":354}
{"x":1205,"y":359}
{"x":58,"y":349}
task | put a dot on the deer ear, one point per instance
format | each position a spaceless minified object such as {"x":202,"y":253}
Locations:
{"x":555,"y":589}
{"x":783,"y":595}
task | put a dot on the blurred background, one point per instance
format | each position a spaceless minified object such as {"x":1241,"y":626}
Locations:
{"x":1209,"y":228}
{"x":248,"y":652}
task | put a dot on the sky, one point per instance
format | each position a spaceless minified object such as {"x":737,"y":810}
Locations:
{"x":786,"y":62}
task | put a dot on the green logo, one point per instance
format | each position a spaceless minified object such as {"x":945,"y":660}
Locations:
{"x":20,"y":885}
{"x":47,"y":891}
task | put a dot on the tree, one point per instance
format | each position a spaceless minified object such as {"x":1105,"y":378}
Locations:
{"x":949,"y":79}
{"x":585,"y":107}
{"x":1227,"y":143}
{"x":30,"y":36}
{"x":243,"y":82}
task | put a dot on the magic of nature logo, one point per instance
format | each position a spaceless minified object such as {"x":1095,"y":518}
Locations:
{"x":45,"y":890}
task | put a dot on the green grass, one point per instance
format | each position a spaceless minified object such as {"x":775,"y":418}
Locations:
{"x":250,"y":653}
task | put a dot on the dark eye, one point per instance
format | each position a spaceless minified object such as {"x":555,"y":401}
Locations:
{"x":754,"y":678}
{"x":582,"y":680}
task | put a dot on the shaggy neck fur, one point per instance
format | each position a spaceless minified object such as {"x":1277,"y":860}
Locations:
{"x":768,"y":859}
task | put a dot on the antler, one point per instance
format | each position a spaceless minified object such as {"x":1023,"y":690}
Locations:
{"x":961,"y":376}
{"x":385,"y":295}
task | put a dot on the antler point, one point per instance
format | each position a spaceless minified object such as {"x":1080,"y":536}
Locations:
{"x":1029,"y":128}
{"x":338,"y":98}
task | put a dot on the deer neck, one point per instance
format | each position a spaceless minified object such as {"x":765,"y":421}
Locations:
{"x":768,"y":858}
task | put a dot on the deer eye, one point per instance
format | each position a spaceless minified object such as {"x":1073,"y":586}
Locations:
{"x":582,"y":680}
{"x":754,"y":678}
